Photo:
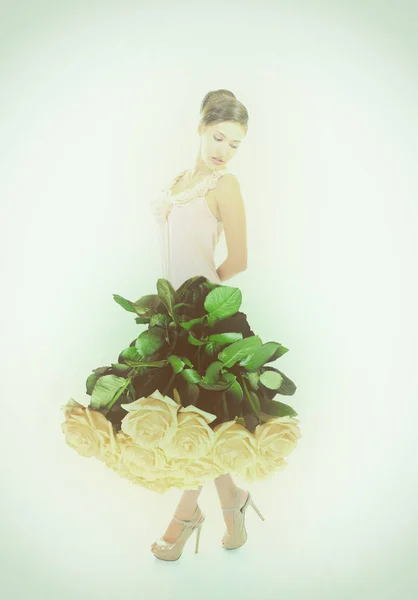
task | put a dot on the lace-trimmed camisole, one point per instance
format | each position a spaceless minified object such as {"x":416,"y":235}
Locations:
{"x":189,"y":231}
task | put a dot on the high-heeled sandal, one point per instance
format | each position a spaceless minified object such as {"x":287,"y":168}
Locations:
{"x":172,"y":551}
{"x":238,"y":537}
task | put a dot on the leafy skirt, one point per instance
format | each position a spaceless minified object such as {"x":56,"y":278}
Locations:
{"x":191,"y":398}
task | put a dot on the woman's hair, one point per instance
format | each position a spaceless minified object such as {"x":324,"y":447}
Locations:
{"x":222,"y":105}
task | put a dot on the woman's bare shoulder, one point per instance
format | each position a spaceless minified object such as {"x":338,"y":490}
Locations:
{"x":229,"y":200}
{"x":228,"y":183}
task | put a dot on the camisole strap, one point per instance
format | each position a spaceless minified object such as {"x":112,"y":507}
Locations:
{"x":163,"y":204}
{"x":199,"y":189}
{"x":175,"y":179}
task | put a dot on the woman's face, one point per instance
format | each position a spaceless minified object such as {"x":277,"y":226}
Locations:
{"x":220,"y":141}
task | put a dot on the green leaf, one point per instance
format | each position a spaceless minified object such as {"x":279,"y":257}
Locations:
{"x":187,"y":361}
{"x":191,"y":375}
{"x":239,"y":350}
{"x":149,"y":342}
{"x":121,"y":368}
{"x":91,"y":382}
{"x":278,"y":353}
{"x":130,"y":353}
{"x":211,"y":349}
{"x":253,"y":379}
{"x":107,"y":390}
{"x":159,"y":319}
{"x":215,"y":387}
{"x":145,"y":306}
{"x":222,"y":302}
{"x":187,"y":323}
{"x":221,"y":339}
{"x":287,"y":388}
{"x":176,"y":362}
{"x":271,"y":380}
{"x":256,"y":360}
{"x":144,"y":364}
{"x":188,"y":285}
{"x":212,"y":372}
{"x":167,"y":294}
{"x":142,"y":320}
{"x":235,"y":391}
{"x":194,"y":341}
{"x":100,"y":370}
{"x":273,"y":408}
{"x":183,"y":304}
{"x":124,"y":303}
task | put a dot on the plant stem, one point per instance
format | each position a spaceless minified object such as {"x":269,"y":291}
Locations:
{"x":244,"y":385}
{"x":169,"y":384}
{"x":224,"y":405}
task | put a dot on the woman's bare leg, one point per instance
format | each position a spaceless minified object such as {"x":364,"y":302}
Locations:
{"x":184,"y":511}
{"x":225,"y":486}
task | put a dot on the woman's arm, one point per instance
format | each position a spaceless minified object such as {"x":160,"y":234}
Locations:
{"x":227,"y":270}
{"x":232,"y":209}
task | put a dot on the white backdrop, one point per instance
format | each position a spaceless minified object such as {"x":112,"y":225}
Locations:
{"x":99,"y":107}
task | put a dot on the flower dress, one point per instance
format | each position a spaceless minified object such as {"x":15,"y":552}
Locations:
{"x":224,"y":419}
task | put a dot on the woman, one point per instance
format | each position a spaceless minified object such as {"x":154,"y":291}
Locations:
{"x":192,"y":398}
{"x":199,"y":204}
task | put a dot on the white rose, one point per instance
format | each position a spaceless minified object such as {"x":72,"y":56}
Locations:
{"x":86,"y":430}
{"x":277,"y":438}
{"x":151,"y":421}
{"x":138,"y":461}
{"x":235,"y":448}
{"x":193,"y":438}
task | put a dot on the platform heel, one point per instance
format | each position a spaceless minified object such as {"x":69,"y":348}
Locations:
{"x":238,"y":537}
{"x":256,"y":510}
{"x":198,"y":530}
{"x":172,"y":551}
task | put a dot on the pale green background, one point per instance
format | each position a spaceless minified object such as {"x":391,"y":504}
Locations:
{"x":99,"y":107}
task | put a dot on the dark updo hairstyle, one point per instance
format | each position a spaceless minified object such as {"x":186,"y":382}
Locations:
{"x":222,"y":105}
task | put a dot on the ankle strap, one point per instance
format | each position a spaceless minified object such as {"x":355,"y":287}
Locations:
{"x":197,"y":513}
{"x":183,"y":522}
